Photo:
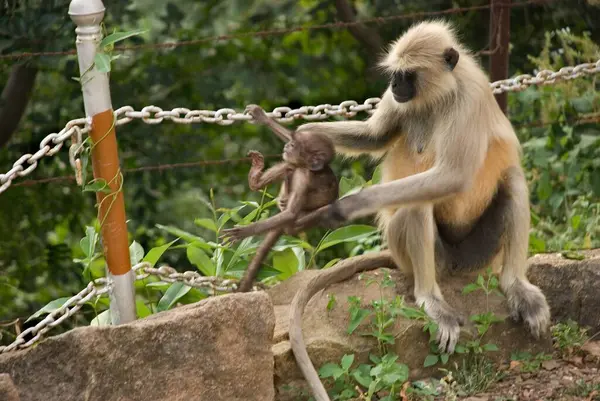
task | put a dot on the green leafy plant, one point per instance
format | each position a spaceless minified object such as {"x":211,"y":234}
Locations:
{"x":384,"y":375}
{"x":528,"y":362}
{"x":568,"y":337}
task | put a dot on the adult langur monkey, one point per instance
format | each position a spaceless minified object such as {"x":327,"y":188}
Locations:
{"x":451,"y":176}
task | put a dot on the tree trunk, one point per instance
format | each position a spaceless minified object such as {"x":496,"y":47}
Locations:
{"x":368,"y":37}
{"x":14,"y":99}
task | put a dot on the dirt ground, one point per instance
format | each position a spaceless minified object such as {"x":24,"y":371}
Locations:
{"x":569,"y":378}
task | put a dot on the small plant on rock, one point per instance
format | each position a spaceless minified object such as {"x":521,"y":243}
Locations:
{"x":568,"y":337}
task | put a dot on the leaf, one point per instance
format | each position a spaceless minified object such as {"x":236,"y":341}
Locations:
{"x":103,"y":319}
{"x":346,"y":234}
{"x":172,"y":295}
{"x":102,"y":62}
{"x":200,"y":259}
{"x":444,"y":358}
{"x":331,"y":263}
{"x":544,"y":186}
{"x":376,"y":179}
{"x":99,"y":185}
{"x":536,"y":245}
{"x":460,"y":349}
{"x":182,"y":234}
{"x":141,"y":309}
{"x":88,"y":243}
{"x":331,"y":302}
{"x":285,"y":262}
{"x":356,"y":320}
{"x":206,"y":223}
{"x":362,"y":375}
{"x":155,"y":253}
{"x":49,"y":308}
{"x":350,"y":184}
{"x":430,"y":360}
{"x":490,"y":347}
{"x":572,"y":255}
{"x":330,"y":370}
{"x":469,"y":288}
{"x":300,"y":256}
{"x":136,"y":253}
{"x":119,"y":36}
{"x":347,"y":361}
{"x":575,"y":221}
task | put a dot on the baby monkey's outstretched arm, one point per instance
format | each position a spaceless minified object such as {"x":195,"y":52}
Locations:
{"x":261,"y":117}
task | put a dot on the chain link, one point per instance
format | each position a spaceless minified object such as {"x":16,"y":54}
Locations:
{"x":101,"y":286}
{"x":49,"y":146}
{"x":56,"y":317}
{"x":190,"y":278}
{"x":285,"y":115}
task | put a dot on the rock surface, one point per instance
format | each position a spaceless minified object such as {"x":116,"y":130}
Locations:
{"x":8,"y":391}
{"x":569,"y":285}
{"x":217,"y":349}
{"x":235,"y":347}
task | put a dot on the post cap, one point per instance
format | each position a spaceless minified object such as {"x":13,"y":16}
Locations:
{"x":90,"y":9}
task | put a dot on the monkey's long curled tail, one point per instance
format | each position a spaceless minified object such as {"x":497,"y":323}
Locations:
{"x":340,"y":272}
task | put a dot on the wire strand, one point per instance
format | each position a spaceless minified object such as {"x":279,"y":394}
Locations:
{"x":283,"y":31}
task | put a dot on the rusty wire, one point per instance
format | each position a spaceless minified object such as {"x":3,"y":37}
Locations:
{"x":284,"y":31}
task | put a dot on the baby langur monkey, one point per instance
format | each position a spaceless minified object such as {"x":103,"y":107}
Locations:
{"x":308,"y":183}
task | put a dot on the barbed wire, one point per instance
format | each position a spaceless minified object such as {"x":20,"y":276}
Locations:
{"x":101,"y":286}
{"x":226,"y":116}
{"x":203,"y":163}
{"x":283,"y":31}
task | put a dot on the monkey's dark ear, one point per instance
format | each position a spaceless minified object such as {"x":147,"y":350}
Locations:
{"x":451,"y":57}
{"x":316,"y":162}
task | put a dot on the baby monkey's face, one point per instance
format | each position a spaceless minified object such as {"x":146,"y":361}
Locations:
{"x":292,"y":152}
{"x":308,"y":149}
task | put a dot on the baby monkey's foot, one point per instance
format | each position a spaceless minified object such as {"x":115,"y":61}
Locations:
{"x":232,"y":235}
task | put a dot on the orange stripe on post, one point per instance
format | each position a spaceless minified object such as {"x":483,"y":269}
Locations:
{"x":105,"y":162}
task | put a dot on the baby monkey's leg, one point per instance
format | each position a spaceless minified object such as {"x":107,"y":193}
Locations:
{"x":261,"y":254}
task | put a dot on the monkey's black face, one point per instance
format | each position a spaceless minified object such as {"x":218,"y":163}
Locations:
{"x":404,"y":86}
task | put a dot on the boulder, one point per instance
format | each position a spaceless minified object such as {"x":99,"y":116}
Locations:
{"x":569,"y":285}
{"x":216,"y":349}
{"x":8,"y":391}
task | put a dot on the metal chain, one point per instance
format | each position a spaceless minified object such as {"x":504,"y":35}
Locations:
{"x":56,"y":317}
{"x":190,"y":278}
{"x":545,"y":77}
{"x":227,"y":116}
{"x":101,"y":286}
{"x":74,"y":128}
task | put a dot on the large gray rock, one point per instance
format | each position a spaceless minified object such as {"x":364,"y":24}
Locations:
{"x":571,"y":287}
{"x":217,"y":349}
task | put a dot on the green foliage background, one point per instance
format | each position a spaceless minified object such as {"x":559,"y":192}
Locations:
{"x":41,"y":225}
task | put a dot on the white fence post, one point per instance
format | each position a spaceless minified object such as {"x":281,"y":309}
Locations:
{"x":87,"y":15}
